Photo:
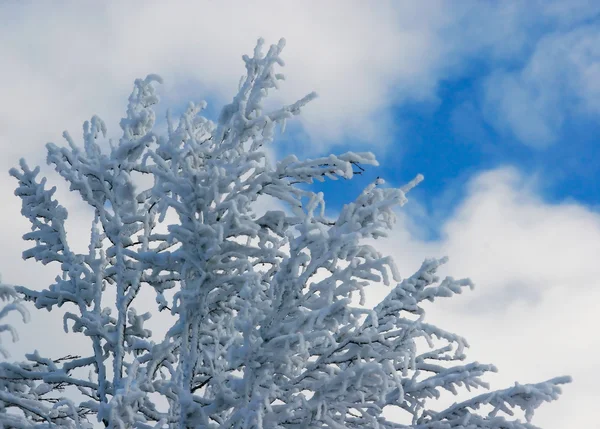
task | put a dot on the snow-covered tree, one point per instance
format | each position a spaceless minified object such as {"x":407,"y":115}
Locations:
{"x":270,"y":328}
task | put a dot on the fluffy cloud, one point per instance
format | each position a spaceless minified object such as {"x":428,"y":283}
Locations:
{"x":560,"y":79}
{"x":69,"y":63}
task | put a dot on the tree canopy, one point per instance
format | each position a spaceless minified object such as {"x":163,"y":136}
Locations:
{"x":270,"y":330}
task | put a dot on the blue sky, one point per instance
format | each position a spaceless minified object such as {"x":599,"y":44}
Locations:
{"x":455,"y":139}
{"x":496,"y":103}
{"x":451,"y":138}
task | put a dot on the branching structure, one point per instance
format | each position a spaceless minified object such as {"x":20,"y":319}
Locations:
{"x":268,"y":331}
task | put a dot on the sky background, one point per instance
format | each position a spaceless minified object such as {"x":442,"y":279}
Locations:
{"x":496,"y":103}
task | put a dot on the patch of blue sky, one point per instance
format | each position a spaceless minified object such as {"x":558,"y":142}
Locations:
{"x":449,"y":141}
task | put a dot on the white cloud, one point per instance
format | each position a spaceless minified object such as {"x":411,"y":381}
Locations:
{"x":66,"y":64}
{"x":559,"y":79}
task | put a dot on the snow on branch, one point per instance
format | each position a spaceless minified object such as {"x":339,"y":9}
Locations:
{"x":13,"y":304}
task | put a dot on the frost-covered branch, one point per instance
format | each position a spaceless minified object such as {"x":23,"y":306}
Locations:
{"x":270,"y":328}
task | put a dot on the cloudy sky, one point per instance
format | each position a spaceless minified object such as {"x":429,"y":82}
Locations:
{"x":496,"y":103}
